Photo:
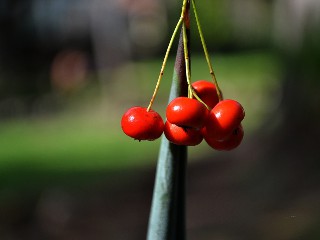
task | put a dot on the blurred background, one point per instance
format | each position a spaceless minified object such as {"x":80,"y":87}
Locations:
{"x":69,"y":69}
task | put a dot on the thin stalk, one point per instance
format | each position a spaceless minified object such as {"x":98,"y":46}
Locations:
{"x":165,"y":59}
{"x":164,"y":63}
{"x":191,"y":91}
{"x":186,"y":58}
{"x":206,"y":50}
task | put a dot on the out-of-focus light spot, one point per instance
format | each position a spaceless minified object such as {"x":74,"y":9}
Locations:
{"x":69,"y":70}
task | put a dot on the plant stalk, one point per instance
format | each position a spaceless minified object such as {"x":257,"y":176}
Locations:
{"x":167,"y":215}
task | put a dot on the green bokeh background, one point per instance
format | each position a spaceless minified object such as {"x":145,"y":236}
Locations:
{"x":67,"y":171}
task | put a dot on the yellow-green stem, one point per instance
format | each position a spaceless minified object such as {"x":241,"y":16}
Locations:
{"x":206,"y":51}
{"x":198,"y":98}
{"x":167,"y":54}
{"x":164,"y":63}
{"x":191,"y":91}
{"x":187,"y":60}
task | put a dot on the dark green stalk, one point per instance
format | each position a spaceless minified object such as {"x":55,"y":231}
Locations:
{"x":167,"y":215}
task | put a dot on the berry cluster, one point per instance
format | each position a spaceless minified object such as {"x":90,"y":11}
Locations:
{"x":202,"y":115}
{"x":189,"y":120}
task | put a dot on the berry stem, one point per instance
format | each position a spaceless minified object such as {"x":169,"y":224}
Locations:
{"x":199,"y":99}
{"x":184,"y":5}
{"x":206,"y":50}
{"x":191,"y":91}
{"x":187,"y":59}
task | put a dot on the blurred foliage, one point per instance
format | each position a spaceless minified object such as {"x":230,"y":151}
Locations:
{"x":230,"y":25}
{"x":87,"y":134}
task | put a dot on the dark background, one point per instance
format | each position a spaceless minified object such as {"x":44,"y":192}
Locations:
{"x":69,"y":70}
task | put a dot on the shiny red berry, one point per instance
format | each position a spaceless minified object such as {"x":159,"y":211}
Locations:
{"x":227,"y":144}
{"x":187,"y":112}
{"x":182,"y":135}
{"x":141,"y":124}
{"x":207,"y":92}
{"x":224,"y":118}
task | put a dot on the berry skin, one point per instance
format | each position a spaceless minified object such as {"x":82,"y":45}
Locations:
{"x":207,"y":92}
{"x":141,"y":124}
{"x":223,"y":119}
{"x":229,"y":143}
{"x":187,"y":112}
{"x":182,"y":135}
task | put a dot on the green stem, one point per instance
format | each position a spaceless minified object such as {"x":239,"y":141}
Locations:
{"x":167,"y":54}
{"x":186,"y":58}
{"x":206,"y":51}
{"x":191,"y":91}
{"x":164,"y":63}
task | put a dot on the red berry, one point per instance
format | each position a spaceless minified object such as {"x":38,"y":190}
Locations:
{"x":187,"y":112}
{"x":207,"y":92}
{"x":229,"y":143}
{"x":141,"y":124}
{"x":224,"y":118}
{"x":182,"y":135}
